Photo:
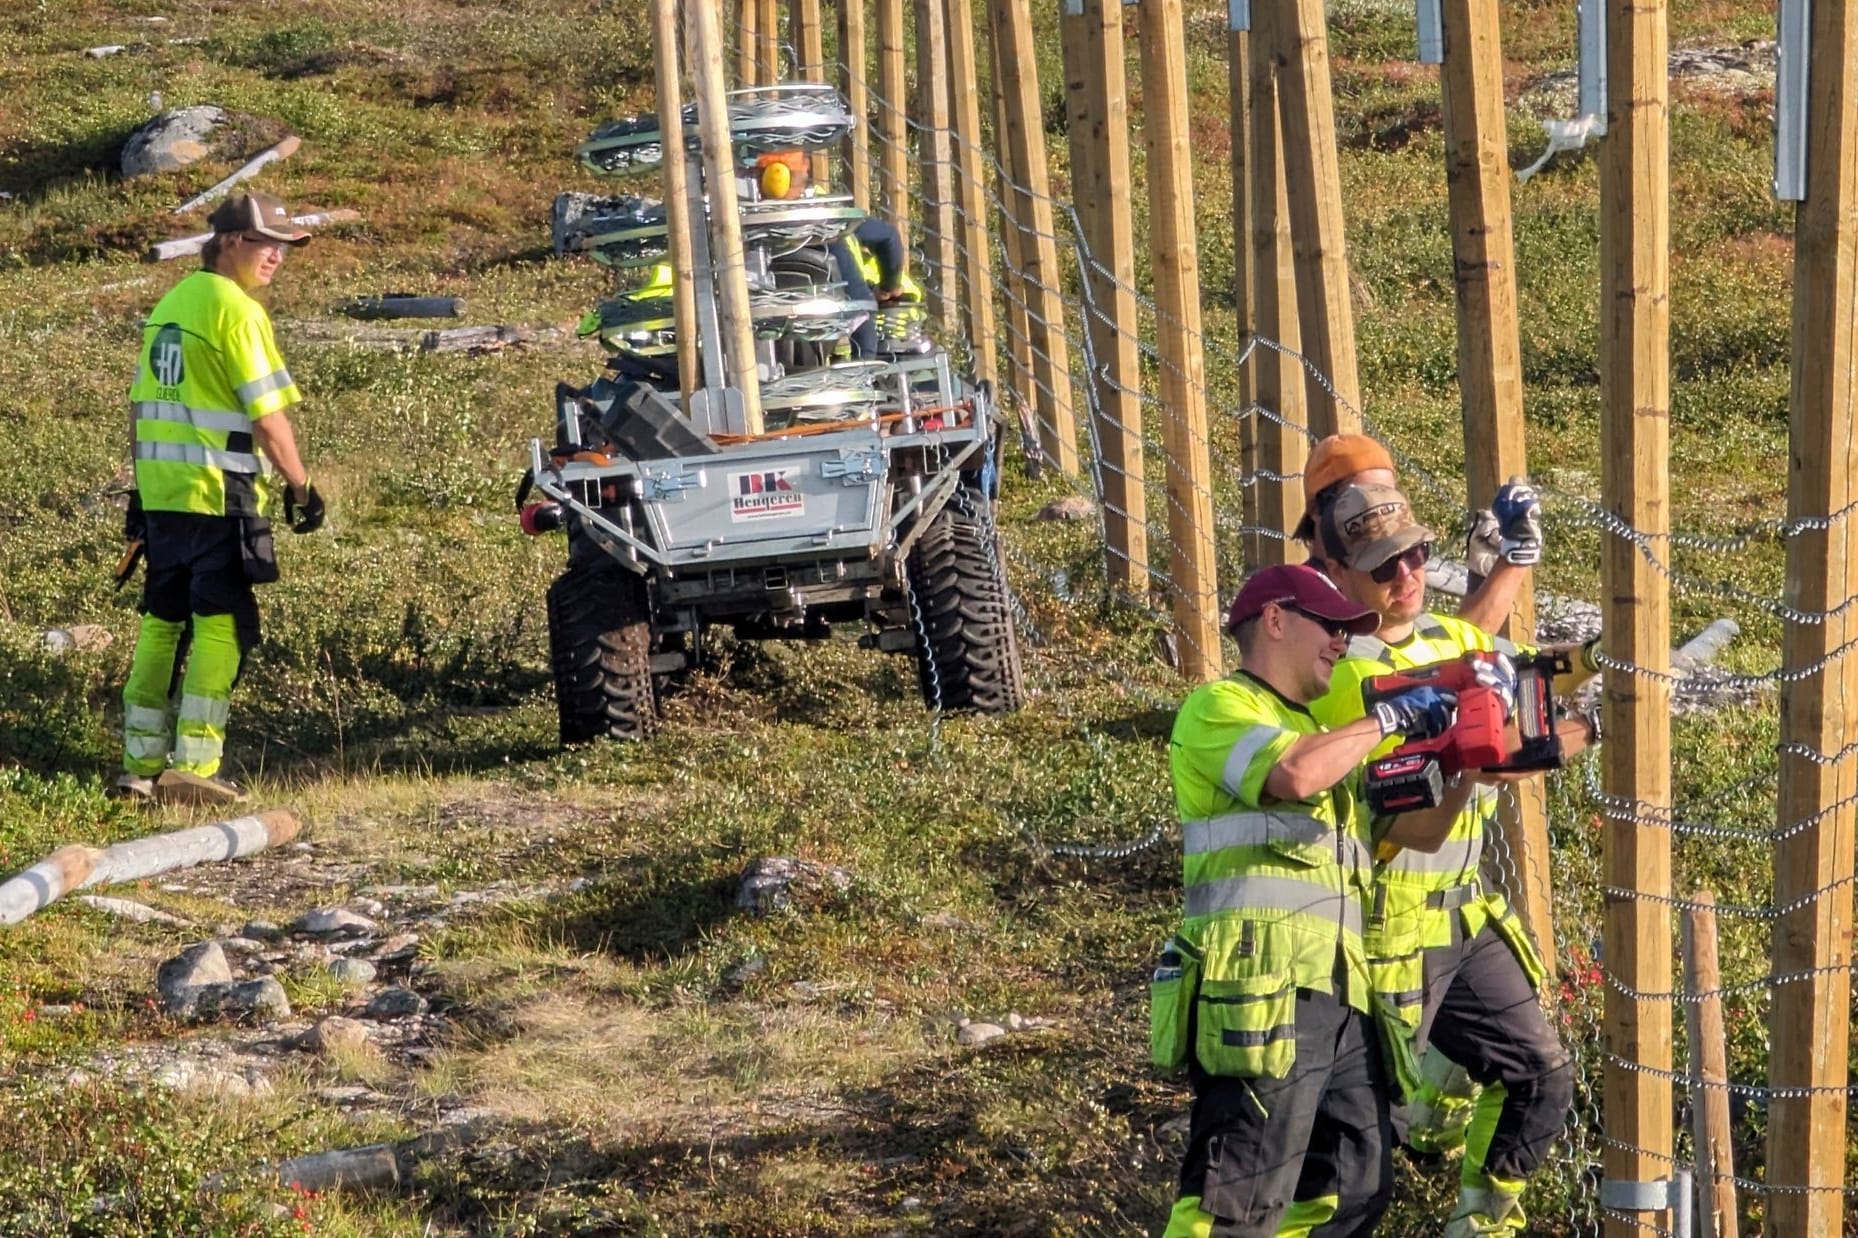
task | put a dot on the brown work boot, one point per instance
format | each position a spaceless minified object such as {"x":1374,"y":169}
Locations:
{"x":184,"y":787}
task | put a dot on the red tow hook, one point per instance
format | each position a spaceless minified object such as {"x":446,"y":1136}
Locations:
{"x":541,"y":518}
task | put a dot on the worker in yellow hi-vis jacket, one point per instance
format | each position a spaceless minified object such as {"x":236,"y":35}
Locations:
{"x":209,"y":396}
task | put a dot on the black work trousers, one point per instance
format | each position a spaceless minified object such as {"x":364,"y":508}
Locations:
{"x":1482,"y":1013}
{"x":1323,"y":1130}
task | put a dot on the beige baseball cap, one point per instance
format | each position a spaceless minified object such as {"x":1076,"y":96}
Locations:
{"x":1368,"y":525}
{"x":259,"y":214}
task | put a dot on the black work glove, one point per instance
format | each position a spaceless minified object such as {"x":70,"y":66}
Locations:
{"x":304,"y":517}
{"x":135,"y":520}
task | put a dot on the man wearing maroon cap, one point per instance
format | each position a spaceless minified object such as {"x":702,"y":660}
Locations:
{"x":1263,"y":995}
{"x":209,"y":396}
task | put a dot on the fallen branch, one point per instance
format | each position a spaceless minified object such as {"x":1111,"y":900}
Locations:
{"x":283,"y":150}
{"x":180,"y":247}
{"x":403,"y":307}
{"x":475,"y":340}
{"x":77,"y":867}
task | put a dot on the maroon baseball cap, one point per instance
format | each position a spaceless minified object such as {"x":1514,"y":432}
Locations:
{"x":258,"y":214}
{"x":1301,"y":586}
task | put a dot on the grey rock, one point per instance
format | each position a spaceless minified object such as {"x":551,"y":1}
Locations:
{"x":976,"y":1034}
{"x":192,"y":1076}
{"x":369,"y":907}
{"x":172,"y":140}
{"x":198,"y":965}
{"x":346,"y":1096}
{"x":401,"y":948}
{"x":746,"y":970}
{"x":771,"y":883}
{"x":334,"y":1034}
{"x":395,"y":1003}
{"x":332,"y":922}
{"x":123,"y":909}
{"x":241,"y":945}
{"x":264,"y":998}
{"x":1070,"y":507}
{"x":353,"y":972}
{"x":262,"y":930}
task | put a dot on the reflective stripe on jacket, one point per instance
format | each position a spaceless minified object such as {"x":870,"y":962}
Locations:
{"x":208,"y":369}
{"x":1274,"y":892}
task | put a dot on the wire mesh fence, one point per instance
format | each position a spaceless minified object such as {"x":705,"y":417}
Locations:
{"x":1723,"y":827}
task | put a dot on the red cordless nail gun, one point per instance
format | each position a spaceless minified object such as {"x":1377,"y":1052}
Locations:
{"x":1413,"y":775}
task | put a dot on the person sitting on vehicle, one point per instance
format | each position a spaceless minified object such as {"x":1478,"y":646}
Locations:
{"x":872,"y":260}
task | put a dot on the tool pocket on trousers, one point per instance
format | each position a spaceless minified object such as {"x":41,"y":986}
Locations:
{"x":257,"y":550}
{"x":1246,"y":1027}
{"x":1170,"y":1004}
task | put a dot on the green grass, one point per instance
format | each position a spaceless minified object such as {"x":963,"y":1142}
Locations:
{"x":652,"y":1059}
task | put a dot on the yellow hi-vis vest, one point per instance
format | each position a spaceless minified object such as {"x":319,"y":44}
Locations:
{"x":1274,"y":891}
{"x":874,"y":274}
{"x":208,"y":369}
{"x":1416,"y":892}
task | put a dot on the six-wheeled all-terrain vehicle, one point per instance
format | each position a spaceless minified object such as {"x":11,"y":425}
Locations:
{"x":866,"y":497}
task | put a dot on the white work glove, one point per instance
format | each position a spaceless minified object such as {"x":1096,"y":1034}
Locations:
{"x":1483,"y":549}
{"x":1500,"y":675}
{"x":1518,"y":512}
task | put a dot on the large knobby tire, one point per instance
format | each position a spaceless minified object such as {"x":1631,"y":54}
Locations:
{"x":600,"y":642}
{"x":967,"y":656}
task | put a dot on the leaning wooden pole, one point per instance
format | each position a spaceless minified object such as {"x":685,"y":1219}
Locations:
{"x":1477,"y":174}
{"x":1279,"y":428}
{"x":1097,"y":108}
{"x":1326,"y":314}
{"x":1709,"y":1072}
{"x":937,"y":166}
{"x":1812,"y":1012}
{"x":1635,"y":378}
{"x":1176,"y":265}
{"x":977,"y":281}
{"x":893,"y":148}
{"x":1016,"y":75}
{"x":854,"y":84}
{"x":705,"y":45}
{"x":676,"y":195}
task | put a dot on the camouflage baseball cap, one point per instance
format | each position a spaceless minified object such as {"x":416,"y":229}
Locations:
{"x":1368,"y":525}
{"x":258,"y":214}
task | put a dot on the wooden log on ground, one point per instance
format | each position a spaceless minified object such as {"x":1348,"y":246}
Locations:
{"x":372,"y":1168}
{"x":76,"y":867}
{"x":283,"y":150}
{"x":181,"y":247}
{"x":400,"y":306}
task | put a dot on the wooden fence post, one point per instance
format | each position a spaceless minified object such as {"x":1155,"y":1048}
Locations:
{"x":1096,"y":95}
{"x":1244,"y":298}
{"x":1635,"y":378}
{"x":677,"y":196}
{"x":893,"y":149}
{"x":705,"y":47}
{"x":1193,"y":567}
{"x":1709,"y":1072}
{"x":810,"y":50}
{"x":1477,"y":173}
{"x":931,"y":109}
{"x":1281,"y":442}
{"x":768,"y":58}
{"x":1016,"y":75}
{"x":1326,"y":315}
{"x":1811,"y":1017}
{"x":1020,"y":383}
{"x":747,"y":41}
{"x":855,"y":86}
{"x":976,"y":242}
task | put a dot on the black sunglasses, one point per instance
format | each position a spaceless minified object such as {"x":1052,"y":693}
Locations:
{"x":1331,"y":627}
{"x":1414,"y":559}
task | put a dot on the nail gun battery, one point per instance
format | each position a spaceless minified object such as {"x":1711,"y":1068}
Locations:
{"x":1405,"y":782}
